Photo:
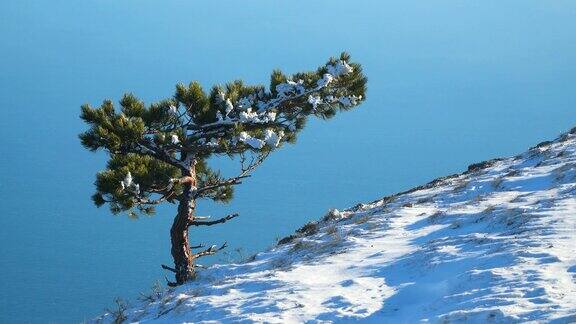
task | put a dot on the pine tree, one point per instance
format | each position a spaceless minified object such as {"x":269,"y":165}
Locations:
{"x":158,"y":153}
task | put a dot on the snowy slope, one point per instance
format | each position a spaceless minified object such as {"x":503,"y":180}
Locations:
{"x":496,"y":243}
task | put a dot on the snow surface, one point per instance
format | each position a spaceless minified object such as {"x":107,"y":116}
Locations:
{"x":494,"y":244}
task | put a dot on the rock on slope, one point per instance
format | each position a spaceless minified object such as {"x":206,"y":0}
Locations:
{"x":496,"y":243}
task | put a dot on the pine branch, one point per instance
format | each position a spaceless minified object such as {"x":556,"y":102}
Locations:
{"x":150,"y":149}
{"x":271,"y":104}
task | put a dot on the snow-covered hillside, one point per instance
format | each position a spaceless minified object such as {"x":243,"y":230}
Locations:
{"x":496,"y":243}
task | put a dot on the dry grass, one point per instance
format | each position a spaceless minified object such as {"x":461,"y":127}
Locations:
{"x":119,"y":313}
{"x":489,"y":209}
{"x":334,"y":233}
{"x":308,"y":229}
{"x":518,"y":198}
{"x":512,"y":173}
{"x":301,"y":245}
{"x":560,"y":172}
{"x":361,"y":220}
{"x":373,"y":225}
{"x":154,"y":295}
{"x":456,"y":225}
{"x":424,"y":200}
{"x":479,"y":198}
{"x":332,"y":214}
{"x":280,"y":263}
{"x":497,"y":182}
{"x":434,"y":217}
{"x":287,"y":239}
{"x":561,"y":154}
{"x":332,"y":229}
{"x":251,"y":258}
{"x":461,"y":185}
{"x":336,"y":238}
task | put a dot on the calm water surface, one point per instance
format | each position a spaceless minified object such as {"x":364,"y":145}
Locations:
{"x":450,"y":83}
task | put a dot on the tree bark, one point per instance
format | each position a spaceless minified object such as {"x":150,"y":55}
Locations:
{"x":181,"y":253}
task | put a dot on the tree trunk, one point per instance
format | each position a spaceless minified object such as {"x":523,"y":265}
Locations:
{"x":181,"y":253}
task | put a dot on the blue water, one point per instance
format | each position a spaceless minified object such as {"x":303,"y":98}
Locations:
{"x":450,"y":83}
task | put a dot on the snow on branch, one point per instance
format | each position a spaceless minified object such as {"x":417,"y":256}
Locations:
{"x":340,"y":68}
{"x":251,"y":141}
{"x":286,"y":92}
{"x":129,"y":184}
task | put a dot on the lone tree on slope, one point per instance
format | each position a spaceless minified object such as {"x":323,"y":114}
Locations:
{"x":159,"y":153}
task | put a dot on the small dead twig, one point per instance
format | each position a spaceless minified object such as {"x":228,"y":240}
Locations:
{"x":211,"y":250}
{"x":165,"y":267}
{"x":170,"y":283}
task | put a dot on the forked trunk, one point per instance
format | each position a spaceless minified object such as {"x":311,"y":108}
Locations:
{"x":181,"y":253}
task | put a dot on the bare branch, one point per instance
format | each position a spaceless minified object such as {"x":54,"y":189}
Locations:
{"x":168,"y":268}
{"x":255,"y":162}
{"x":170,"y":283}
{"x":224,"y":183}
{"x":214,"y":222}
{"x":168,"y":192}
{"x":242,"y":160}
{"x":244,"y":173}
{"x":210,"y":251}
{"x":151,"y":202}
